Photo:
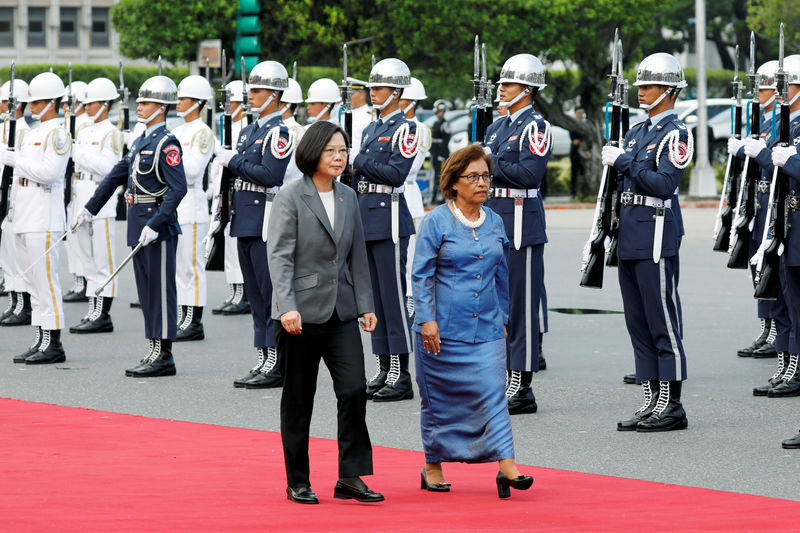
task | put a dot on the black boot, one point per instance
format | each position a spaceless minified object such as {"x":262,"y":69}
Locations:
{"x":100,"y":321}
{"x":542,"y":362}
{"x":775,"y":380}
{"x":12,"y":305}
{"x":50,"y":349}
{"x":32,"y":349}
{"x":747,"y":351}
{"x":227,"y":302}
{"x":192,"y":327}
{"x":398,"y":381}
{"x":239,"y":305}
{"x":630,"y":379}
{"x":790,"y":381}
{"x":668,"y":414}
{"x":159,"y":363}
{"x":520,"y":394}
{"x":86,"y":318}
{"x":410,"y":306}
{"x":3,"y":290}
{"x":240,"y":383}
{"x":22,"y":314}
{"x":378,"y":380}
{"x":767,"y":349}
{"x":650,"y":389}
{"x":792,"y":443}
{"x":269,"y":376}
{"x":78,"y":291}
{"x":151,"y":343}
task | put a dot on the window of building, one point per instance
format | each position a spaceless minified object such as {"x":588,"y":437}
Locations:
{"x":68,"y":30}
{"x":37,"y":26}
{"x":7,"y":27}
{"x":100,"y":26}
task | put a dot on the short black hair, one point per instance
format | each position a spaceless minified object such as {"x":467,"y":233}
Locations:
{"x":314,"y":140}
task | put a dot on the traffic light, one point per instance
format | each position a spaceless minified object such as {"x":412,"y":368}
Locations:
{"x":248,"y":28}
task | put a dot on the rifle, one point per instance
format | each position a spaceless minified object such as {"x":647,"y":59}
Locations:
{"x":248,"y":114}
{"x":722,"y":228}
{"x":214,"y":252}
{"x":8,"y":170}
{"x":69,"y":121}
{"x":745,"y":204}
{"x":612,"y":259}
{"x":124,"y":124}
{"x":768,"y":256}
{"x":347,"y":112}
{"x":595,"y":249}
{"x":478,"y":107}
{"x":209,"y":110}
{"x":159,"y":65}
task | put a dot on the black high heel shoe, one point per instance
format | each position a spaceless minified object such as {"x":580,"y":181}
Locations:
{"x":504,"y":484}
{"x":432,"y":487}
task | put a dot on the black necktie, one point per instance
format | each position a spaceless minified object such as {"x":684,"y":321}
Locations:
{"x":646,"y":127}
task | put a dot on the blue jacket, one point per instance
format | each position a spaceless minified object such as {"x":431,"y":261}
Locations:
{"x":791,"y":250}
{"x":516,"y":166}
{"x":155,"y":162}
{"x":382,"y":161}
{"x":641,"y":174}
{"x":256,"y":163}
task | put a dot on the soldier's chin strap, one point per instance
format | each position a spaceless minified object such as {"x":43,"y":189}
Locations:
{"x":37,"y":116}
{"x":315,"y":118}
{"x":793,"y":100}
{"x":182,"y":114}
{"x":269,"y":100}
{"x":515,"y":99}
{"x":410,"y":106}
{"x":769,"y":102}
{"x":387,"y":102}
{"x":284,"y":109}
{"x":93,"y":118}
{"x":149,"y":119}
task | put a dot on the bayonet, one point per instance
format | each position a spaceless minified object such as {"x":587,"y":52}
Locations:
{"x":373,"y":60}
{"x":159,"y":65}
{"x":614,"y":58}
{"x":245,"y":100}
{"x":294,"y":71}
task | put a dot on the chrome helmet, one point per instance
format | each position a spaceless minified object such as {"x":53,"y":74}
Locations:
{"x":791,"y":64}
{"x":158,"y":89}
{"x":766,"y":75}
{"x":660,"y":69}
{"x":268,"y":75}
{"x":390,"y":72}
{"x":525,"y":69}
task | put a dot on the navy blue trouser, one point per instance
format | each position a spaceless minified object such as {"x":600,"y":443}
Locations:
{"x":387,"y":268}
{"x":525,"y":284}
{"x":764,"y":307}
{"x":257,"y":288}
{"x":791,"y":292}
{"x":154,"y":270}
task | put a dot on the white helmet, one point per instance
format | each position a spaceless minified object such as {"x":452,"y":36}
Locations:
{"x":45,"y":86}
{"x":390,"y":72}
{"x":660,"y":69}
{"x":268,"y":75}
{"x":416,"y":91}
{"x":196,"y":87}
{"x":525,"y":69}
{"x":158,"y":89}
{"x":20,"y":91}
{"x":78,"y":89}
{"x":100,"y":90}
{"x":324,"y":90}
{"x":766,"y":75}
{"x":235,"y":90}
{"x":292,"y":95}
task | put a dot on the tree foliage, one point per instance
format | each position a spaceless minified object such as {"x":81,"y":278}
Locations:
{"x":765,"y":16}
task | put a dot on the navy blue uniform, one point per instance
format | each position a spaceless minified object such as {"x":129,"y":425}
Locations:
{"x":258,"y":170}
{"x":152,"y":173}
{"x":381,"y":167}
{"x":648,"y":286}
{"x":519,"y":155}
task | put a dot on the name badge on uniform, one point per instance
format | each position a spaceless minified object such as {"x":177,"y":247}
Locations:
{"x":384,"y":139}
{"x":514,"y":138}
{"x":651,"y":146}
{"x":259,"y":141}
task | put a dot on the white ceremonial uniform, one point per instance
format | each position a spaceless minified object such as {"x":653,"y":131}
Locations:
{"x":292,"y":172}
{"x":197,"y":142}
{"x":76,"y":259}
{"x":9,"y":256}
{"x":39,"y":217}
{"x":97,"y":149}
{"x":414,"y":195}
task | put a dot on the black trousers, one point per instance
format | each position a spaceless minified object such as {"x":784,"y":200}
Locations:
{"x":339,"y":345}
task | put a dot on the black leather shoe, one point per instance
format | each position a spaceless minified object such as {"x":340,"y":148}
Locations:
{"x":747,"y":351}
{"x":630,"y":379}
{"x":152,"y":369}
{"x":79,"y":296}
{"x":432,"y":487}
{"x":765,"y":351}
{"x":650,"y":390}
{"x":242,"y":308}
{"x":775,"y":380}
{"x":194,"y":332}
{"x":504,"y":484}
{"x":542,"y":362}
{"x":522,"y":401}
{"x":398,"y":381}
{"x":101,"y":324}
{"x":269,"y":380}
{"x":21,"y":319}
{"x":378,"y":381}
{"x":786,"y":389}
{"x":240,"y":382}
{"x":792,"y":443}
{"x":343,"y":491}
{"x":31,"y":349}
{"x":50,"y":349}
{"x":301,"y":495}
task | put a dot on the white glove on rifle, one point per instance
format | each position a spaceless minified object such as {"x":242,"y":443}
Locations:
{"x":781,"y":154}
{"x":83,"y":217}
{"x":734,"y":145}
{"x":224,"y":156}
{"x":610,"y":154}
{"x":148,"y":235}
{"x":8,"y":158}
{"x":753,"y":147}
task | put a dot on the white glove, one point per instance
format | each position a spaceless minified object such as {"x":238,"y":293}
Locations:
{"x":487,"y":150}
{"x":212,"y":229}
{"x":224,"y":156}
{"x":9,"y":158}
{"x":734,"y":145}
{"x":148,"y":235}
{"x":610,"y":154}
{"x":753,"y":147}
{"x":781,"y":154}
{"x":83,"y":217}
{"x":127,"y":136}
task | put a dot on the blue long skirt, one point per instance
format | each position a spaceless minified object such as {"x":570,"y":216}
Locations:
{"x":464,"y":411}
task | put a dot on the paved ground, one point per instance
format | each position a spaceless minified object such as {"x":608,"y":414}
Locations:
{"x":733,"y":440}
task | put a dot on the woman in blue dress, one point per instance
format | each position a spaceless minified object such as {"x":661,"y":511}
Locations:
{"x":460,"y":285}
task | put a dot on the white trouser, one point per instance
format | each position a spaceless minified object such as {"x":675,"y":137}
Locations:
{"x":412,"y":242}
{"x":190,"y":271}
{"x":9,"y":259}
{"x":75,"y":260}
{"x":233,"y":272}
{"x":99,"y":269}
{"x":42,"y":278}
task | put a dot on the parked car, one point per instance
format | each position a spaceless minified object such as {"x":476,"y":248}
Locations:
{"x":719,"y":124}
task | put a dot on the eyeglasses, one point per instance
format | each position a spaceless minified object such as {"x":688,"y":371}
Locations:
{"x":333,"y":151}
{"x":473,"y":178}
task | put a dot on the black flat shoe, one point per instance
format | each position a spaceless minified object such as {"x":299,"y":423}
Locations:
{"x":504,"y":484}
{"x":343,"y":491}
{"x":301,"y":495}
{"x":432,"y":487}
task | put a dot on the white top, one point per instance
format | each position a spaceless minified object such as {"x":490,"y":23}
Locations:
{"x":328,"y":204}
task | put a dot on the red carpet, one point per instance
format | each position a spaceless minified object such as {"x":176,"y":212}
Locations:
{"x":68,"y":469}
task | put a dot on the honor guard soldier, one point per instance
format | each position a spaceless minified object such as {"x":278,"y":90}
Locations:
{"x":652,"y":162}
{"x":197,"y":144}
{"x":408,"y":103}
{"x":770,"y":313}
{"x":258,"y":165}
{"x":97,"y":149}
{"x":153,"y":175}
{"x":18,"y":312}
{"x":76,"y":261}
{"x":236,"y":303}
{"x":290,"y":98}
{"x":361,"y":113}
{"x":388,"y":149}
{"x":786,"y":381}
{"x":39,"y":220}
{"x":323,"y":101}
{"x":520,"y":147}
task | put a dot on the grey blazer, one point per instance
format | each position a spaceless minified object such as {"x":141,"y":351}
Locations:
{"x":315,"y":268}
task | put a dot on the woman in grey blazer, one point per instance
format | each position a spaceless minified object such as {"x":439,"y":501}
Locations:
{"x":321,"y":286}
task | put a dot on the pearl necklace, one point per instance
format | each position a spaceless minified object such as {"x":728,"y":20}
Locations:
{"x":468,"y":223}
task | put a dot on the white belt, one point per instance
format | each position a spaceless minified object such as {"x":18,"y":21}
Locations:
{"x":380,"y":189}
{"x":660,"y":206}
{"x":500,"y":192}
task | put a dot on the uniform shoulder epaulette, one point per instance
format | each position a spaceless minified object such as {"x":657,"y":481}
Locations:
{"x":538,"y":141}
{"x":203,"y":139}
{"x":679,"y":152}
{"x":115,"y":138}
{"x":59,"y":139}
{"x":281,"y":141}
{"x":408,"y":141}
